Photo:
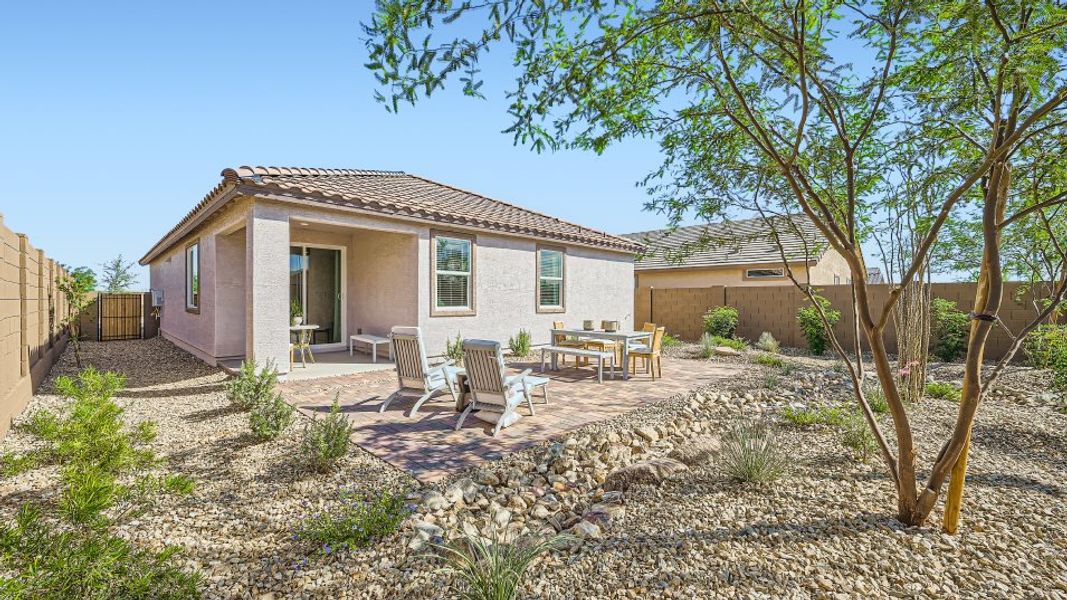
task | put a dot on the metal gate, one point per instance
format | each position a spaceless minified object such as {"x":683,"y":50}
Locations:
{"x":120,"y":316}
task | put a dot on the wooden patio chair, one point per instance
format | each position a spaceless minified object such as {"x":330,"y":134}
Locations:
{"x":606,"y":345}
{"x":413,"y":371}
{"x":494,"y":394}
{"x":566,"y":341}
{"x":651,"y":354}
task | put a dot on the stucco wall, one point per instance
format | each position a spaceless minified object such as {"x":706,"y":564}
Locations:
{"x":383,"y":291}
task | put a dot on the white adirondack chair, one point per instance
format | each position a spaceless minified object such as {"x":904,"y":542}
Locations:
{"x":494,"y":394}
{"x":413,"y":371}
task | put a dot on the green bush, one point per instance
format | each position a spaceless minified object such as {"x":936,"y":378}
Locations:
{"x":750,"y":453}
{"x":876,"y":400}
{"x":944,"y":391}
{"x":811,"y":325}
{"x":519,"y":344}
{"x":270,"y":418}
{"x":355,"y":522}
{"x":12,"y":464}
{"x":721,"y":321}
{"x":737,"y":344}
{"x":454,"y":350}
{"x":1046,"y":348}
{"x":56,"y":563}
{"x":250,"y":387}
{"x":807,"y":417}
{"x":669,"y":341}
{"x":770,"y":360}
{"x":857,"y":436}
{"x":767,"y":343}
{"x":949,"y":329}
{"x":493,"y":569}
{"x":326,"y":440}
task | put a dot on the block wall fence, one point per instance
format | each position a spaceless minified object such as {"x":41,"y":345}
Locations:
{"x":774,"y":309}
{"x":30,"y":310}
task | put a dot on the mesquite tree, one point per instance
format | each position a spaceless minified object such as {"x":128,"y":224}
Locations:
{"x":766,"y":96}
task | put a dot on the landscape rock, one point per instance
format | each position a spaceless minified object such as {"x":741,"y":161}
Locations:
{"x":651,"y":471}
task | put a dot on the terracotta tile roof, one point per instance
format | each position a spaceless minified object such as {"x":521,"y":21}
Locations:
{"x":396,"y":194}
{"x":741,"y":242}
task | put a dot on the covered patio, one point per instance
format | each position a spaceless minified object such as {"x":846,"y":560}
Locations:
{"x":428,"y":446}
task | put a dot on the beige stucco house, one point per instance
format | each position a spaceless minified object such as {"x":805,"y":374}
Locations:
{"x":359,"y":251}
{"x":736,"y":253}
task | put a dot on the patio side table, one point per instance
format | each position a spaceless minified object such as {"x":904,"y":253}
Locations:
{"x":372,"y":341}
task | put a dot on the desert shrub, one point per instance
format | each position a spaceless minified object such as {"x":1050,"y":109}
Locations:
{"x":721,"y":321}
{"x":355,"y":522}
{"x":811,"y":325}
{"x":831,"y":416}
{"x":270,"y":418}
{"x":856,"y":435}
{"x":737,"y":344}
{"x":750,"y":453}
{"x":707,"y":345}
{"x":942,"y":390}
{"x":769,"y":360}
{"x":12,"y":463}
{"x":771,"y":382}
{"x":454,"y":350}
{"x":326,"y":440}
{"x":493,"y":569}
{"x":1046,"y":348}
{"x":670,"y":341}
{"x":876,"y":400}
{"x":949,"y":330}
{"x":56,"y":563}
{"x":178,"y":484}
{"x":519,"y":344}
{"x":250,"y":387}
{"x":767,"y":343}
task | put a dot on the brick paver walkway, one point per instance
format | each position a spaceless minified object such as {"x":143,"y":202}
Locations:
{"x":429,"y":447}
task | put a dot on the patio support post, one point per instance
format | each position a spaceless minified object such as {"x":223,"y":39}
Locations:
{"x":267,"y":285}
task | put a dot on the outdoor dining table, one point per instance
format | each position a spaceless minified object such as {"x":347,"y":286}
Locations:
{"x":617,"y":336}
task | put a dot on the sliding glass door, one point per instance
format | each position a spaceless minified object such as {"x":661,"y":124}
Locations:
{"x":316,"y":290}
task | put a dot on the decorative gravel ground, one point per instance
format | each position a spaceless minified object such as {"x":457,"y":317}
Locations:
{"x":822,"y":531}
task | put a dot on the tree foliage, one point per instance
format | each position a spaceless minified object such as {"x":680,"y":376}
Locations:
{"x":118,"y":275}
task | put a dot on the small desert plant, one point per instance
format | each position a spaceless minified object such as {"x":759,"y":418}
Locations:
{"x":767,"y":343}
{"x":735,"y":343}
{"x":942,"y":390}
{"x":251,"y":387}
{"x":1046,"y":348}
{"x":12,"y":464}
{"x":54,"y":562}
{"x":707,"y":345}
{"x":326,"y":440}
{"x":493,"y":569}
{"x":177,"y":483}
{"x":856,"y":435}
{"x":771,"y":382}
{"x":750,"y":453}
{"x":721,"y":321}
{"x":355,"y":522}
{"x":811,"y":324}
{"x":670,"y":341}
{"x":270,"y":418}
{"x":876,"y":400}
{"x":454,"y":350}
{"x":949,"y":330}
{"x":519,"y":344}
{"x":831,"y":416}
{"x":770,"y":360}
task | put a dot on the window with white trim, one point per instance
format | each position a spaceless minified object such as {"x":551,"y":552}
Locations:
{"x":192,"y":277}
{"x":764,"y":273}
{"x":453,"y":273}
{"x":550,"y":279}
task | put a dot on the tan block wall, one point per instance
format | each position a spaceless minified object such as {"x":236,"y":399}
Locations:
{"x":30,"y":310}
{"x":831,"y":265}
{"x":774,"y":309}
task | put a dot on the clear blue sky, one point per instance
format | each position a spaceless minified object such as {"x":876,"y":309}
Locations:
{"x":117,"y":117}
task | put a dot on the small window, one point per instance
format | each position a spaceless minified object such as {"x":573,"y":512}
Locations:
{"x":192,"y":277}
{"x":453,"y":273}
{"x":764,"y":273}
{"x":550,"y":279}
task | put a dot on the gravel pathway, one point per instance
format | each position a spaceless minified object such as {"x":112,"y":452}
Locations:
{"x":823,"y":531}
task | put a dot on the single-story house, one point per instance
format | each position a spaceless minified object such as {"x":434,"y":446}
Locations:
{"x":736,"y":253}
{"x":360,"y":251}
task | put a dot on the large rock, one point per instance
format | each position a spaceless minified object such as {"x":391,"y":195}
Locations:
{"x":434,"y":500}
{"x":647,"y":433}
{"x":586,"y":530}
{"x":696,"y":452}
{"x":463,"y":489}
{"x":726,"y":351}
{"x":652,"y":471}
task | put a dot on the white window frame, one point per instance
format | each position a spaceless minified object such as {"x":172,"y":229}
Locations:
{"x":192,"y":302}
{"x":435,"y":308}
{"x":778,"y":273}
{"x":562,"y":279}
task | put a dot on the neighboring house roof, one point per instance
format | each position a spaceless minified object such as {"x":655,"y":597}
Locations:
{"x":391,"y":193}
{"x":742,"y":242}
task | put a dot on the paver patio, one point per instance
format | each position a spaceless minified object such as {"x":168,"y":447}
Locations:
{"x":430,"y":448}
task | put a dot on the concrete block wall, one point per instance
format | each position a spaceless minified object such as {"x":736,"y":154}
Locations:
{"x":30,"y":311}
